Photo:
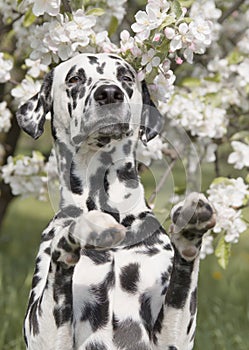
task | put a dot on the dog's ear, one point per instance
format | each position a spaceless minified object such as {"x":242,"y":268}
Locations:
{"x":31,"y":115}
{"x":151,"y":120}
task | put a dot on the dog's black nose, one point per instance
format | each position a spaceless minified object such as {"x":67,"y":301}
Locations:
{"x":107,"y":94}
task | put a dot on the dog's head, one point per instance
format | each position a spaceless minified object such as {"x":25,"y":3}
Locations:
{"x":92,"y":98}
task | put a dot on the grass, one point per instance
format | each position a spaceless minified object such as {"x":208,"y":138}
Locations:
{"x":223,"y":317}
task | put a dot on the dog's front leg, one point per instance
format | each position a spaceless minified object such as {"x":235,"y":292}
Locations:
{"x":51,"y":287}
{"x":48,"y":322}
{"x":191,"y":219}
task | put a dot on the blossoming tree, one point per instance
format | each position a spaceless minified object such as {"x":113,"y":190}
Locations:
{"x":194,"y":56}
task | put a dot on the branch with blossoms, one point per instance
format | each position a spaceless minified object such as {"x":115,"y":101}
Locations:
{"x":196,"y":73}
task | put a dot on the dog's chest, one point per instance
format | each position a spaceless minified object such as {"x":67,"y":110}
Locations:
{"x":126,"y":286}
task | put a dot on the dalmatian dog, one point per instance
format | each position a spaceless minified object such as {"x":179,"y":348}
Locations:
{"x":107,"y":276}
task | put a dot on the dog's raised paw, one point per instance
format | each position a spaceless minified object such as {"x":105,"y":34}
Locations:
{"x":99,"y":230}
{"x":191,"y":218}
{"x":194,"y":213}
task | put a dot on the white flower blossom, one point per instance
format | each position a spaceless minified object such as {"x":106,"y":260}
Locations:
{"x":25,"y":175}
{"x":5,"y":67}
{"x":116,"y":8}
{"x":5,"y":116}
{"x":148,"y":20}
{"x":104,"y":43}
{"x":79,"y":29}
{"x":240,"y":156}
{"x":149,"y":60}
{"x":227,"y":196}
{"x":128,"y":43}
{"x":152,"y":151}
{"x":26,"y":90}
{"x":199,"y":118}
{"x":243,"y":44}
{"x":229,"y":192}
{"x":52,"y":7}
{"x":62,"y":38}
{"x":163,"y":86}
{"x":207,"y":245}
{"x":35,"y":67}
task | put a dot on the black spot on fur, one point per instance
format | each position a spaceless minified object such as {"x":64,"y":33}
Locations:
{"x":115,"y":57}
{"x":158,"y":325}
{"x":97,"y":313}
{"x":63,"y":244}
{"x":145,"y":312}
{"x":97,"y":256}
{"x":90,"y":204}
{"x":180,"y":282}
{"x":193,"y":302}
{"x":127,"y":86}
{"x":69,"y":108}
{"x":106,"y":183}
{"x":176,"y":214}
{"x":36,"y":279}
{"x":100,"y":68}
{"x":129,"y":277}
{"x":128,"y":220}
{"x":75,"y":182}
{"x":128,"y":175}
{"x":70,"y":211}
{"x":93,"y":59}
{"x":167,"y":247}
{"x":62,"y":291}
{"x":96,"y":346}
{"x":106,"y":158}
{"x":128,"y":334}
{"x":150,"y":251}
{"x":33,"y":320}
{"x":70,"y":72}
{"x":47,"y":251}
{"x":48,"y":236}
{"x":147,"y":234}
{"x":190,"y":325}
{"x":127,"y":148}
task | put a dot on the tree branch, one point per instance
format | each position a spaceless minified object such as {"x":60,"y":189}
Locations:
{"x":162,"y":181}
{"x":67,"y":6}
{"x":229,"y":11}
{"x":7,"y":27}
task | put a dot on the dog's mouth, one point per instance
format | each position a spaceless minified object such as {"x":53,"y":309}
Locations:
{"x":112,"y":132}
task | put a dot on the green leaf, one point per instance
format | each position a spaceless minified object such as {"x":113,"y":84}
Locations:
{"x":97,"y":11}
{"x":176,"y":8}
{"x":215,"y":78}
{"x":29,"y":18}
{"x":241,"y":135}
{"x":151,"y":76}
{"x":219,"y":180}
{"x":235,"y":57}
{"x":223,"y":252}
{"x":167,"y":22}
{"x":190,"y":82}
{"x":247,"y":179}
{"x":113,"y":26}
{"x":180,"y":190}
{"x":186,"y":3}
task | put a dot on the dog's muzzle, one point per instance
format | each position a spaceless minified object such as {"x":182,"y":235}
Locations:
{"x":108,"y":94}
{"x":112,"y":115}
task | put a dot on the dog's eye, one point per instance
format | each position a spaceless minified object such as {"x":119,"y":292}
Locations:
{"x":74,"y":80}
{"x":127,"y":78}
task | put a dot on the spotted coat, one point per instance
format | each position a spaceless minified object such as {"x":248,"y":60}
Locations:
{"x":107,"y":276}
